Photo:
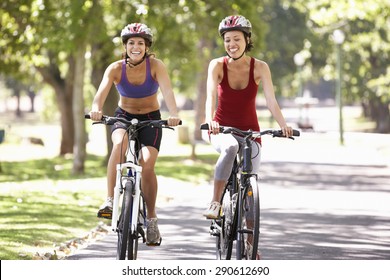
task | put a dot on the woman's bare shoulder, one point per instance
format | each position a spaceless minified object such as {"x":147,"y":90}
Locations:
{"x":114,"y":70}
{"x":260,"y":63}
{"x":216,"y":63}
{"x":218,"y":60}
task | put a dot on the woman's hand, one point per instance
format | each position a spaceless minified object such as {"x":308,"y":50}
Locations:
{"x":287,"y":131}
{"x":173,"y":121}
{"x":214,"y":127}
{"x":96,"y":115}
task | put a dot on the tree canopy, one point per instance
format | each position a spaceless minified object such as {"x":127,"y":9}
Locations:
{"x":41,"y":42}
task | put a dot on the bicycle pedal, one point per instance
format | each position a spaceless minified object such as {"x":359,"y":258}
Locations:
{"x":214,"y":232}
{"x":104,"y":215}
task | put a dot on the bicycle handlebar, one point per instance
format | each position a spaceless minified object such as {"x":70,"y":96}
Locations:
{"x":254,"y":134}
{"x":108,"y":120}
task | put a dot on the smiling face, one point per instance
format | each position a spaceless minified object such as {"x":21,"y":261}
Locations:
{"x":136,"y":48}
{"x":235,"y":43}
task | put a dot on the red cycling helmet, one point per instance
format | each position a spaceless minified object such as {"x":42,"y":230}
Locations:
{"x":235,"y":23}
{"x":137,"y":30}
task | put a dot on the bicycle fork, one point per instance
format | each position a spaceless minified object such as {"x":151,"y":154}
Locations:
{"x":118,"y":189}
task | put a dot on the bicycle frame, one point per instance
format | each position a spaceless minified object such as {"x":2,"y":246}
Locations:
{"x":227,"y":228}
{"x":128,"y":220}
{"x":132,"y":168}
{"x":242,"y":174}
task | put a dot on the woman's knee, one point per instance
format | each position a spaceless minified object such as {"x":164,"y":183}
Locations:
{"x":231,"y":150}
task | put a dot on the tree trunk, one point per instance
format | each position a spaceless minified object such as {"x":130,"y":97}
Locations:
{"x":109,"y":108}
{"x":18,"y":111}
{"x":112,"y":98}
{"x":63,"y":89}
{"x":382,"y":116}
{"x":200,"y":102}
{"x":79,"y":149}
{"x":378,"y":111}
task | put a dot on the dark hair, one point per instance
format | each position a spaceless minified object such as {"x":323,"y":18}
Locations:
{"x":148,"y":43}
{"x":249,"y":44}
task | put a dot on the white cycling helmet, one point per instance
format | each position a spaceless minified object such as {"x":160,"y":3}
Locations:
{"x":137,"y":30}
{"x":235,"y":23}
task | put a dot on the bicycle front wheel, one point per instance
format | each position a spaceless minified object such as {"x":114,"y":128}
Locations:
{"x":251,"y":221}
{"x":124,"y":221}
{"x":139,"y":232}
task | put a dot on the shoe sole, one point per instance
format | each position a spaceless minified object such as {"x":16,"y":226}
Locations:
{"x":210,"y":217}
{"x":154,"y":244}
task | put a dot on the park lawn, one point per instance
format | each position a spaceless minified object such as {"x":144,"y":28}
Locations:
{"x":38,"y":216}
{"x":43,"y":206}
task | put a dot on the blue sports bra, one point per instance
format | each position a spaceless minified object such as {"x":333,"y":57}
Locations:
{"x":148,"y":88}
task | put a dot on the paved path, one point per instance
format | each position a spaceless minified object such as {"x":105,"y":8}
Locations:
{"x":184,"y":231}
{"x":318,"y":201}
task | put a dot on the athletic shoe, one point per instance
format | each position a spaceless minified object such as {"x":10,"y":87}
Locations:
{"x":153,"y":237}
{"x":212,"y":212}
{"x":105,"y":210}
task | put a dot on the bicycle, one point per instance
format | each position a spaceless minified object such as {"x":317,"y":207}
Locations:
{"x":239,"y":217}
{"x":129,"y":220}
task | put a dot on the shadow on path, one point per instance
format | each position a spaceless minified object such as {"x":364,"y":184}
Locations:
{"x":309,"y":211}
{"x":306,"y":236}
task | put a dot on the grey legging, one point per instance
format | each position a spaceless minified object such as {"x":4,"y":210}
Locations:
{"x":227,"y":145}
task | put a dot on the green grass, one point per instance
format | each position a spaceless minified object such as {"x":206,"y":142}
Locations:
{"x":43,"y":205}
{"x":38,"y":219}
{"x":58,"y":168}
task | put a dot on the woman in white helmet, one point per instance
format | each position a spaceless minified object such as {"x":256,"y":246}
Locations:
{"x":137,"y":77}
{"x":234,"y":80}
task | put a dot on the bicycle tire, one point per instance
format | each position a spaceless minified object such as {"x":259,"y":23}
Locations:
{"x":250,"y":221}
{"x":139,"y":232}
{"x":124,"y":221}
{"x":224,"y":240}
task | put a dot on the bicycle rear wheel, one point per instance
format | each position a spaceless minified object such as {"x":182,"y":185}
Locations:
{"x":124,"y":221}
{"x":224,"y":240}
{"x":251,"y":221}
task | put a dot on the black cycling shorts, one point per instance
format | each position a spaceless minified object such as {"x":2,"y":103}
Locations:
{"x":147,"y":136}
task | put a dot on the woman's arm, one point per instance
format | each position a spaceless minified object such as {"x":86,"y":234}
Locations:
{"x":102,"y":92}
{"x":167,"y":92}
{"x":213,"y":79}
{"x":272,"y":103}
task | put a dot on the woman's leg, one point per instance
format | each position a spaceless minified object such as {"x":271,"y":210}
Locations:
{"x":227,"y":146}
{"x":116,"y":157}
{"x":148,"y":160}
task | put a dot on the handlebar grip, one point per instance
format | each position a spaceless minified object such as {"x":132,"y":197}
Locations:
{"x":204,"y":126}
{"x":296,"y":132}
{"x":87,"y":116}
{"x":165,"y":122}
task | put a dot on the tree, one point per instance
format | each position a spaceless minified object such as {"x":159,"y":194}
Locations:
{"x":51,"y":37}
{"x":366,"y":49}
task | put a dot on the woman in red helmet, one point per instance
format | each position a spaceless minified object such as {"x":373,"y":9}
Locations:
{"x":235,"y":79}
{"x":137,"y":77}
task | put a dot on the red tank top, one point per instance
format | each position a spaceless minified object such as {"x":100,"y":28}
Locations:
{"x":237,"y":108}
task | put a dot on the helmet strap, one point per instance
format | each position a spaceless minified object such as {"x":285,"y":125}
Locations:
{"x":131,"y":65}
{"x":246,"y":46}
{"x":237,"y":57}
